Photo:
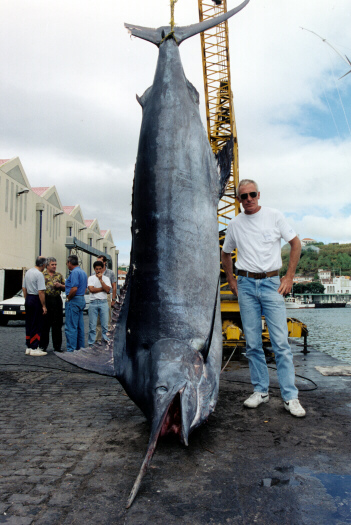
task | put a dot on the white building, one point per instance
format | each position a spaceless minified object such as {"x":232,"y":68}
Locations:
{"x":324,"y":275}
{"x":338,"y":285}
{"x":34,"y":222}
{"x":306,"y":241}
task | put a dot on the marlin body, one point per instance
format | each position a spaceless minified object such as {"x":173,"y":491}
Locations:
{"x":166,"y":339}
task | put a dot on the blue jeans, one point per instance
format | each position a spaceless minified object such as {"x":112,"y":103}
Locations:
{"x":98,"y":307}
{"x":259,"y":297}
{"x":74,"y":323}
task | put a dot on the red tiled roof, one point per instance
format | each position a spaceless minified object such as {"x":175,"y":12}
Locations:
{"x":40,"y":191}
{"x":88,"y":222}
{"x":103,"y":232}
{"x":2,"y":161}
{"x":68,"y":209}
{"x":122,"y":272}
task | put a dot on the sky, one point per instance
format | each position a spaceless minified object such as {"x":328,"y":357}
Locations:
{"x":70,"y":73}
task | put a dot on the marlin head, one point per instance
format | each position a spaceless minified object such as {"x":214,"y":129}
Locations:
{"x":177,"y":370}
{"x":179,"y":34}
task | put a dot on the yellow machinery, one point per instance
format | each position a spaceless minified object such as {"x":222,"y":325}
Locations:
{"x":221,"y":127}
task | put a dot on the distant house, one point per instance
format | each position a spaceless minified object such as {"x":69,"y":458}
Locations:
{"x":324,"y":274}
{"x":306,"y":241}
{"x":310,"y":247}
{"x":302,"y":279}
{"x":121,"y":277}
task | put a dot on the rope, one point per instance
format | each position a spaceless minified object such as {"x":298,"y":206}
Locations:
{"x":173,"y":2}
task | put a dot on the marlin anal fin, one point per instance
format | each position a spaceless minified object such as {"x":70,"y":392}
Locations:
{"x":224,"y":161}
{"x":157,"y":36}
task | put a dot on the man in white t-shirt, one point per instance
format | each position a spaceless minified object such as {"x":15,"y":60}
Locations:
{"x":257,"y":234}
{"x":99,"y":286}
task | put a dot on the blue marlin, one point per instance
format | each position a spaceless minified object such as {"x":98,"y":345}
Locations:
{"x":165,"y":343}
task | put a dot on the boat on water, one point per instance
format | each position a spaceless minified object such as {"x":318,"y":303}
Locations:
{"x":297,"y":302}
{"x":348,"y":304}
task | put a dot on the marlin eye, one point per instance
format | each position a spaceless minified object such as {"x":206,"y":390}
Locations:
{"x":161,"y":389}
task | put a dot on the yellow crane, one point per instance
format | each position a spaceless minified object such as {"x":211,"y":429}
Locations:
{"x":221,"y":127}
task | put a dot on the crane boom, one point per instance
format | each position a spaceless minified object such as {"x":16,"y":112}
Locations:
{"x":219,"y":104}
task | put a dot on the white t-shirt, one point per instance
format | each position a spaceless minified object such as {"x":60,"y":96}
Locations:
{"x":257,"y":238}
{"x":94,"y":281}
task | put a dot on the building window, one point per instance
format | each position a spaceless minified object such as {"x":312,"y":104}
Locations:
{"x":11,"y":200}
{"x":7,"y":196}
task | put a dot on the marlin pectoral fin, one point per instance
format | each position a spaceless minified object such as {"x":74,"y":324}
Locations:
{"x":97,"y":359}
{"x":224,"y":160}
{"x":102,"y":359}
{"x":206,"y":347}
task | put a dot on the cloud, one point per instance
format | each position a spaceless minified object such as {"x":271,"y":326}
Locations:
{"x":70,"y":73}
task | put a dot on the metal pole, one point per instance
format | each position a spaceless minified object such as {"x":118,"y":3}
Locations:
{"x":40,"y":229}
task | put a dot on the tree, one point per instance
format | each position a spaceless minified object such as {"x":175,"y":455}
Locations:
{"x":314,"y":288}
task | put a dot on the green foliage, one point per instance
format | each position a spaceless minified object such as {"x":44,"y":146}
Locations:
{"x":314,"y":287}
{"x":335,"y":257}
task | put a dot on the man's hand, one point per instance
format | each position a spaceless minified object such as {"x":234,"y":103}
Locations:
{"x":285,"y":285}
{"x":44,"y":310}
{"x":227,"y":265}
{"x":234,"y":287}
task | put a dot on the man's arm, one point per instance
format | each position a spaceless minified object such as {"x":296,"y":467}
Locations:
{"x":60,"y":283}
{"x":114,"y":292}
{"x":42,"y":300}
{"x":227,"y":264}
{"x":93,"y":289}
{"x":286,"y":282}
{"x":24,"y":290}
{"x":72,"y":293}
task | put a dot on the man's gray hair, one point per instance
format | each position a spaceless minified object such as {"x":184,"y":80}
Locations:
{"x":244,"y":182}
{"x":40,"y":261}
{"x":73,"y":259}
{"x":50,"y":260}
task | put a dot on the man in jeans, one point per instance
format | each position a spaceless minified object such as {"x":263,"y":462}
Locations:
{"x":99,"y":287}
{"x":111,"y":297}
{"x":76,"y":284}
{"x":257,"y":234}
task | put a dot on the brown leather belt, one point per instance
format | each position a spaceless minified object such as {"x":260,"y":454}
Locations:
{"x":262,"y":275}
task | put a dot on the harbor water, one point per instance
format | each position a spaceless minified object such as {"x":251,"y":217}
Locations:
{"x":329,"y":330}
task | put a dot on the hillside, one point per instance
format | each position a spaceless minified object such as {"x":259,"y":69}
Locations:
{"x":335,"y":257}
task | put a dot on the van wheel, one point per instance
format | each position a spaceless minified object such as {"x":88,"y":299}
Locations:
{"x":3,"y":321}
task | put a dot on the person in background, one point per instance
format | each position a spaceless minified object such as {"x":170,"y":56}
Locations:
{"x":34,"y":300}
{"x":257,"y":234}
{"x":99,"y":287}
{"x":111,"y":297}
{"x":55,"y":284}
{"x":76,"y":285}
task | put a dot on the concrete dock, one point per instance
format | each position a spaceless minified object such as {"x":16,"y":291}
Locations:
{"x":72,"y":444}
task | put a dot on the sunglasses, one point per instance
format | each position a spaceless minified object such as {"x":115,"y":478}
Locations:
{"x":244,"y":196}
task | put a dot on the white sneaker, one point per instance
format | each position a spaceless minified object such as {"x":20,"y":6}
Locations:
{"x":256,"y":399}
{"x":27,"y":351}
{"x":37,"y":352}
{"x":294,"y":408}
